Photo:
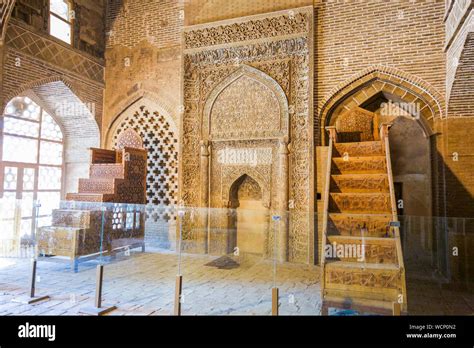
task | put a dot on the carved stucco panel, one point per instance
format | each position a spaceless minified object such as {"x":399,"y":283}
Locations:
{"x":285,"y":61}
{"x":244,"y":100}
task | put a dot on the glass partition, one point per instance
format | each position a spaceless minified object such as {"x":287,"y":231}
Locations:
{"x":226,"y":262}
{"x":165,"y":260}
{"x":297,"y":281}
{"x":141,"y":263}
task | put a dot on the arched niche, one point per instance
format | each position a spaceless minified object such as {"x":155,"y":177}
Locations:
{"x":411,"y":106}
{"x":250,"y":218}
{"x":247,"y":104}
{"x":237,"y":174}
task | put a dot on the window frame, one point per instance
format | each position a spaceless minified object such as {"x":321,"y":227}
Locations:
{"x":39,"y":139}
{"x":70,"y":22}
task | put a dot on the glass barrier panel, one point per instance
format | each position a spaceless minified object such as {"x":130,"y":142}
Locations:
{"x":230,"y":261}
{"x":70,"y":244}
{"x":225,"y":261}
{"x":142,"y":264}
{"x":296,"y":276}
{"x":17,"y":247}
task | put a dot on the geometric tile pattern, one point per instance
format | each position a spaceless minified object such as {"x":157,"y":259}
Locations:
{"x":161,"y":142}
{"x":36,"y":46}
{"x":6,"y":6}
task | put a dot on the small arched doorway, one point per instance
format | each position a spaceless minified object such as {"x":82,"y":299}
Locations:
{"x":250,"y":218}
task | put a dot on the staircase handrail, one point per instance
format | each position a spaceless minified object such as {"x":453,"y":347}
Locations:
{"x":384,"y":128}
{"x":332,"y":139}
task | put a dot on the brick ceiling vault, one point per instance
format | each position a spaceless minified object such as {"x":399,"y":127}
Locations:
{"x":79,"y":125}
{"x":6,"y":7}
{"x":461,"y":99}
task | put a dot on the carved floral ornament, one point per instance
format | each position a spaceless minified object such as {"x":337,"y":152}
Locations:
{"x":278,"y":65}
{"x":283,"y":24}
{"x":263,"y":113}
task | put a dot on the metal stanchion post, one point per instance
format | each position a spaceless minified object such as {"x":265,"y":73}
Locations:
{"x":179,"y":278}
{"x":32,"y":298}
{"x":98,"y":309}
{"x":275,"y":296}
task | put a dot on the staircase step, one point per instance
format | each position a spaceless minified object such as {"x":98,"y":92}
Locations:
{"x":58,"y":241}
{"x":363,"y":306}
{"x":372,"y":203}
{"x":360,"y":149}
{"x":71,"y":218}
{"x":100,"y":171}
{"x":363,"y":183}
{"x":89,"y":197}
{"x":102,"y":186}
{"x":370,"y":225}
{"x":361,"y":249}
{"x":372,"y":281}
{"x":359,"y":165}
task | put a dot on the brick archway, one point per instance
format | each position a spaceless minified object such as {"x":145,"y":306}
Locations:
{"x":76,"y":118}
{"x":367,"y":83}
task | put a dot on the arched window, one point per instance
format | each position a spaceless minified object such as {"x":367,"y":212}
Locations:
{"x":60,"y":20}
{"x":31,"y":167}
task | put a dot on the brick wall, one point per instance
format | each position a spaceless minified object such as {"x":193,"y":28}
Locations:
{"x":59,"y":74}
{"x":143,"y":56}
{"x":131,"y":22}
{"x":88,"y":22}
{"x":353,"y":35}
{"x":23,"y":68}
{"x":204,"y":11}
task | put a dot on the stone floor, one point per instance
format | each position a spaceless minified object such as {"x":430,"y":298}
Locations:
{"x":143,"y":284}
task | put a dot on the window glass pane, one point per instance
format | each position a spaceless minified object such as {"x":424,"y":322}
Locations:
{"x":23,"y":107}
{"x":49,"y":178}
{"x":51,"y":153}
{"x":19,"y":149}
{"x":60,"y":29}
{"x":20,"y":127}
{"x":10,"y":178}
{"x":29,"y":179}
{"x":44,"y":221}
{"x":60,"y":7}
{"x":8,"y":204}
{"x":50,"y":129}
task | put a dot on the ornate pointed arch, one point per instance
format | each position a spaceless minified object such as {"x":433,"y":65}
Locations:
{"x":143,"y":98}
{"x":153,"y":127}
{"x":117,"y":111}
{"x":269,"y":85}
{"x":397,"y":84}
{"x":237,"y":174}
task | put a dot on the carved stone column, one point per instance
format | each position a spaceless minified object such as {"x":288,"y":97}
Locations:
{"x":282,"y":205}
{"x":204,"y":237}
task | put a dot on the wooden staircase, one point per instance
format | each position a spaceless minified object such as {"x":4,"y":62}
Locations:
{"x":361,"y":257}
{"x":113,"y":178}
{"x":85,"y":227}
